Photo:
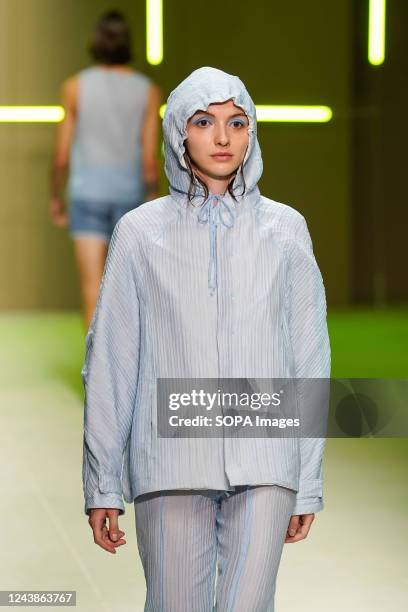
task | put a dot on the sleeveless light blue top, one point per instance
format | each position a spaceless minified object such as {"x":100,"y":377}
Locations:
{"x":105,"y":162}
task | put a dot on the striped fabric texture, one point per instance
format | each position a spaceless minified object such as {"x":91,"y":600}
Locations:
{"x":226,"y":547}
{"x":214,"y":289}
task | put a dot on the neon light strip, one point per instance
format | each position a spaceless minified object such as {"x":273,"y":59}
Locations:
{"x":31,"y":114}
{"x":376,"y":32}
{"x":54,"y":114}
{"x":154,"y":31}
{"x":314,"y":114}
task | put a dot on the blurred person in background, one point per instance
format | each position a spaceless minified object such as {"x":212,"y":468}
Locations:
{"x":108,"y":141}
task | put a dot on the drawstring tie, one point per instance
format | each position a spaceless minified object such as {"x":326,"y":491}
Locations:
{"x":215,"y":213}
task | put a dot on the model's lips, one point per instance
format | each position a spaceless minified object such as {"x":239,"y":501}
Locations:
{"x":222,"y":156}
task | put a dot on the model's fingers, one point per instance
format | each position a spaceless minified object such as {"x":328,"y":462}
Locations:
{"x":98,"y":528}
{"x":293,"y":525}
{"x":303,"y":527}
{"x":115,"y":534}
{"x":118,"y":542}
{"x":305,"y":524}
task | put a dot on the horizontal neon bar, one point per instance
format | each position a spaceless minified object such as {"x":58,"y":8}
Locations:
{"x":31,"y":114}
{"x":318,"y":114}
{"x":54,"y":114}
{"x":376,"y":32}
{"x":315,"y":114}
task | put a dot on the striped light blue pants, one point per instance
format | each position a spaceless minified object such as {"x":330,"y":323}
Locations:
{"x":207,"y":550}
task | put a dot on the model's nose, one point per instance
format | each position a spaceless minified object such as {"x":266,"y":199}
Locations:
{"x":221,"y":136}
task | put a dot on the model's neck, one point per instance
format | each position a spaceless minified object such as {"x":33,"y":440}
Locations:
{"x":216,"y":186}
{"x":119,"y":67}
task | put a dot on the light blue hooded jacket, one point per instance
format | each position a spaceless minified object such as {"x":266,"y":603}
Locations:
{"x":192,"y":290}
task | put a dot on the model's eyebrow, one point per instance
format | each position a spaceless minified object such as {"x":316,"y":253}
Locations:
{"x":200,"y":112}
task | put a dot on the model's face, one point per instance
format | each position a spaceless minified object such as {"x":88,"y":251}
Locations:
{"x":217,"y":140}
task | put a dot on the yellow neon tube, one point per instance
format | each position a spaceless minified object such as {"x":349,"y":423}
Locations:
{"x":154,"y":31}
{"x":314,"y":114}
{"x":31,"y":114}
{"x":265,"y":113}
{"x":376,"y":32}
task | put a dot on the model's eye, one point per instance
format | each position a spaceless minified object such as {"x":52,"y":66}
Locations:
{"x":238,"y":123}
{"x":201,"y":122}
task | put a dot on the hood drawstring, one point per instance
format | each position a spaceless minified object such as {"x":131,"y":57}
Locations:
{"x":215,"y":213}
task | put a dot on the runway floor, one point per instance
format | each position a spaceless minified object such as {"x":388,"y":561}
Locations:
{"x":355,"y":557}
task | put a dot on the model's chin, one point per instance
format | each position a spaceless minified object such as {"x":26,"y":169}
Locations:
{"x":223,"y":163}
{"x":218,"y":170}
{"x":222,"y":169}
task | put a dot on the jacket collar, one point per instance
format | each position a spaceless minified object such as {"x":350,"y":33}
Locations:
{"x":229,"y":209}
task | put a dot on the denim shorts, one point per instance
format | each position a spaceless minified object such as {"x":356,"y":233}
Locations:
{"x":88,"y":218}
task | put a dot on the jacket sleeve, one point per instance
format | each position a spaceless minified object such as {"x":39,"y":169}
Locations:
{"x":307,"y":311}
{"x":110,"y":375}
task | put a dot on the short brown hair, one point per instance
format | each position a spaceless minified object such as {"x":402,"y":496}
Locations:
{"x":111,"y":39}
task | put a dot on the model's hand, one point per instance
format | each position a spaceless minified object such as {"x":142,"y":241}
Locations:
{"x":299,"y":526}
{"x":58,"y":213}
{"x":107,"y":537}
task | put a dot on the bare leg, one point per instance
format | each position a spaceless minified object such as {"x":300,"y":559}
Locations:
{"x":90,"y":254}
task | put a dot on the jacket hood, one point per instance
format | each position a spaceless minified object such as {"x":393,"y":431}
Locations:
{"x":201,"y":88}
